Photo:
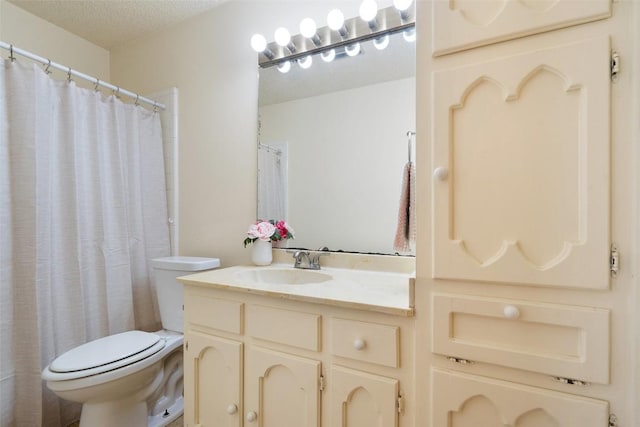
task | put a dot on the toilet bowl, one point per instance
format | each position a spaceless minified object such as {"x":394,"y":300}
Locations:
{"x":133,"y":378}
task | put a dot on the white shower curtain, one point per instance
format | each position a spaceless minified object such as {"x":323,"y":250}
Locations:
{"x":272,"y":181}
{"x":82,"y":211}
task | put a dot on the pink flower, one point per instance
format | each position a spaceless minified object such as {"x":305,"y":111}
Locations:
{"x":284,"y":229}
{"x":262,"y":230}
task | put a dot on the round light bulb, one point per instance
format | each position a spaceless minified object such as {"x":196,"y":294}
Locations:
{"x":352,"y":49}
{"x":282,"y":36}
{"x":258,"y":43}
{"x":308,"y":28}
{"x":335,"y":20}
{"x":402,"y":5}
{"x":305,"y":62}
{"x":328,"y":55}
{"x":381,"y":43}
{"x":409,"y":34}
{"x":284,"y":67}
{"x":368,"y":10}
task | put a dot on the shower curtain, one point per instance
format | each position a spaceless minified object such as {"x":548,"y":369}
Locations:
{"x":272,"y":181}
{"x":82,"y":211}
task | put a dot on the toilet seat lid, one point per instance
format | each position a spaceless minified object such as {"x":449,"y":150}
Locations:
{"x":124,"y":348}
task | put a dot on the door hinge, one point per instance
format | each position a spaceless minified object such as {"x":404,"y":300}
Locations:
{"x":570,"y":381}
{"x":459,"y":361}
{"x":400,"y":404}
{"x":614,"y":261}
{"x":615,"y":66}
{"x":186,"y":346}
{"x":613,"y":420}
{"x":321,"y":383}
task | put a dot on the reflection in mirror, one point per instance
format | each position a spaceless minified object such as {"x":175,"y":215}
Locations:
{"x":333,"y":145}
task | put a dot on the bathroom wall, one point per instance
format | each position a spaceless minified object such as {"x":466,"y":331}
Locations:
{"x":38,"y":36}
{"x":210,"y":61}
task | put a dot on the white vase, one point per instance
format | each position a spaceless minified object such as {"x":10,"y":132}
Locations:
{"x":261,"y":252}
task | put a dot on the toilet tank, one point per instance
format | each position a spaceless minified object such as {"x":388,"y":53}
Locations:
{"x":169,"y":290}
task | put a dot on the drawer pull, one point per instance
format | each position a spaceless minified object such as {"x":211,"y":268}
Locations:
{"x":232,"y":409}
{"x":252,"y":416}
{"x":570,"y":381}
{"x":511,"y":312}
{"x":359,"y":344}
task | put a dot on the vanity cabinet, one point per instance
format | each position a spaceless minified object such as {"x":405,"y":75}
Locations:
{"x":253,"y":360}
{"x":521,"y":308}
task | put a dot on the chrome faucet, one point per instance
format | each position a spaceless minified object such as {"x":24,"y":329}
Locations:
{"x":308,"y":260}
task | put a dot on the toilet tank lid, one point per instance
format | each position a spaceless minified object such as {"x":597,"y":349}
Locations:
{"x":185,"y":263}
{"x":107,"y":350}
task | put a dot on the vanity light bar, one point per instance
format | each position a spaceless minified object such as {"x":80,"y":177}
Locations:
{"x":388,"y":21}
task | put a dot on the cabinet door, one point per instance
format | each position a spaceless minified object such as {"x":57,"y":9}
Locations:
{"x":360,"y":399}
{"x":465,"y":400}
{"x":521,"y":168}
{"x":463,"y":24}
{"x":212,"y":381}
{"x":281,"y":390}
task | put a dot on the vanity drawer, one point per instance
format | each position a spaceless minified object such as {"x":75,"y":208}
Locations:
{"x":221,"y":314}
{"x":368,"y":342}
{"x":558,"y":340}
{"x":288,"y":327}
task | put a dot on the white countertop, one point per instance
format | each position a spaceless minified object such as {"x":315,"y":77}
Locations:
{"x":386,"y":292}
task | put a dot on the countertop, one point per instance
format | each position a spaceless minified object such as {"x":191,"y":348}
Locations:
{"x":371,"y":290}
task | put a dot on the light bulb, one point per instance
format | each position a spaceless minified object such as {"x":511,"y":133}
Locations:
{"x":328,"y":55}
{"x":409,"y":35}
{"x":402,"y":5}
{"x":305,"y":62}
{"x":308,"y":28}
{"x":352,"y":49}
{"x":258,"y":43}
{"x":381,"y":43}
{"x":335,"y":20}
{"x":282,"y":37}
{"x":284,"y":67}
{"x":368,"y":10}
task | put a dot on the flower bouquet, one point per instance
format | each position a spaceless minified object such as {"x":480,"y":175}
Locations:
{"x":268,"y":231}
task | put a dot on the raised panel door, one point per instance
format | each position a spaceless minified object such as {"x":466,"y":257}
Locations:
{"x":521,"y":168}
{"x":212,"y":381}
{"x":281,"y":390}
{"x":463,"y":24}
{"x":361,"y":399}
{"x":464,"y":400}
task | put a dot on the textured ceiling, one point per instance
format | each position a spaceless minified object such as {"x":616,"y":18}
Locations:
{"x":109,"y":23}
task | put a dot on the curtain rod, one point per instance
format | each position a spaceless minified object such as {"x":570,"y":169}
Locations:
{"x":70,"y":72}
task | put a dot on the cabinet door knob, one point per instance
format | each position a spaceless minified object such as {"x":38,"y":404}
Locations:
{"x":252,"y":416}
{"x":359,"y":344}
{"x":232,"y":409}
{"x":441,"y":173}
{"x":511,"y":312}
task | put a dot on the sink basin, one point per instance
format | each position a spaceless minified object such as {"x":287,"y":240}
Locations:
{"x":283,"y":276}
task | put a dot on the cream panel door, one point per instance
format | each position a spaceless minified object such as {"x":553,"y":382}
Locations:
{"x":463,"y":24}
{"x":281,"y":390}
{"x":521,"y":168}
{"x":213,"y":381}
{"x":360,"y":399}
{"x":465,"y":400}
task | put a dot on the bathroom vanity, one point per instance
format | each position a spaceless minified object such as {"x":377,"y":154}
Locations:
{"x":277,"y":346}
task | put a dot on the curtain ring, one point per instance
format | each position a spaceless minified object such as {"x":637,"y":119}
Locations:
{"x":46,"y":70}
{"x":116,"y":92}
{"x":11,"y":57}
{"x":69,"y":75}
{"x":155,"y":107}
{"x":97,"y":83}
{"x":137,"y":98}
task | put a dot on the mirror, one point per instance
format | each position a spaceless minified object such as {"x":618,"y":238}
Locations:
{"x":333,"y":145}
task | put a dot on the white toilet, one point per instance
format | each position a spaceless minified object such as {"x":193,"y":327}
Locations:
{"x":133,"y":378}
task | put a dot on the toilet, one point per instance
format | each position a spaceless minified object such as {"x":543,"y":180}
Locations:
{"x":133,"y":378}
